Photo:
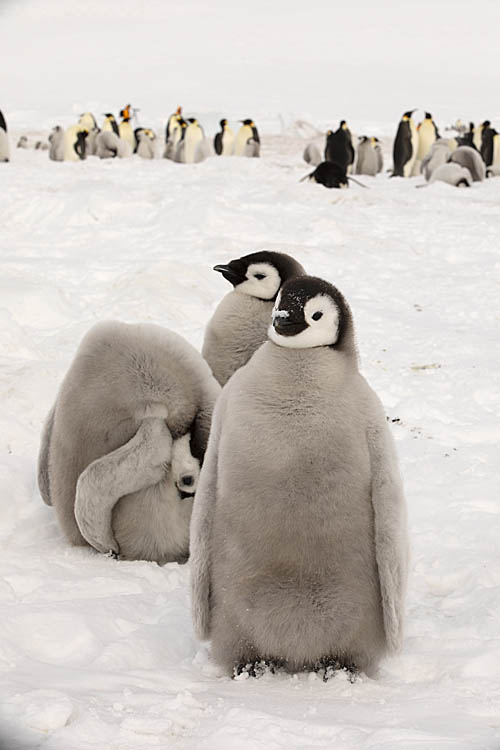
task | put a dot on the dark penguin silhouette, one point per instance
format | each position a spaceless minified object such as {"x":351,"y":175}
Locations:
{"x":329,"y":174}
{"x":80,"y":144}
{"x":488,"y":143}
{"x":339,"y":148}
{"x":405,"y":146}
{"x":4,"y":139}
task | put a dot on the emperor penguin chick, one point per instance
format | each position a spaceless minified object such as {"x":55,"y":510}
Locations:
{"x":121,"y":446}
{"x":239,"y":324}
{"x":299,"y":547}
{"x":57,"y":144}
{"x":370,"y":160}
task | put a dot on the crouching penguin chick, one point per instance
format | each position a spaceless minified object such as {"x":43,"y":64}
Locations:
{"x":121,"y":447}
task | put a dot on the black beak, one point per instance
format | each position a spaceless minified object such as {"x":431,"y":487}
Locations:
{"x":287,"y":327}
{"x":228,"y":273}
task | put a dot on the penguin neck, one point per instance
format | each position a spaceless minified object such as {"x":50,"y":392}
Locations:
{"x":324,"y":363}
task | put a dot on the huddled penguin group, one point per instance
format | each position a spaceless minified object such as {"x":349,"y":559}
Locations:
{"x":283,"y":487}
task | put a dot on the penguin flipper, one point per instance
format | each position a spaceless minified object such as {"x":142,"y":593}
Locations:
{"x":200,"y":531}
{"x":391,"y":540}
{"x":43,"y":458}
{"x":140,"y":463}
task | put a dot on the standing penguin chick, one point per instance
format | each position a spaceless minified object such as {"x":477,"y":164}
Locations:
{"x":427,"y":135}
{"x":145,"y":140}
{"x":247,"y":141}
{"x":405,"y":146}
{"x":369,"y":160}
{"x":130,"y":395}
{"x":57,"y":144}
{"x":339,"y":148}
{"x":312,"y":154}
{"x":224,"y":140}
{"x":239,"y":324}
{"x":4,"y":140}
{"x":299,"y":548}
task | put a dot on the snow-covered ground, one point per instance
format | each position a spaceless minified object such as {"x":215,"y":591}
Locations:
{"x":96,"y":653}
{"x":99,"y":653}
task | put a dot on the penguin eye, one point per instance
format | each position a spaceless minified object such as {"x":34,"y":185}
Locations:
{"x":259,"y":276}
{"x":317,"y":315}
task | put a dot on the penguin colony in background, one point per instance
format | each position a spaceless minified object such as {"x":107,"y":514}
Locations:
{"x":417,"y":149}
{"x":296,"y":434}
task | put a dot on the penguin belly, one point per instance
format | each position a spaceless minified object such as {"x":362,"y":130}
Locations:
{"x":4,"y":146}
{"x":414,"y":137}
{"x":70,"y":143}
{"x":426,"y":138}
{"x":192,"y":140}
{"x":153,"y":524}
{"x":127,"y":134}
{"x":227,"y":142}
{"x":244,"y":134}
{"x":298,"y":584}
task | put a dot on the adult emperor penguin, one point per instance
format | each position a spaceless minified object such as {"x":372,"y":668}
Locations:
{"x":369,"y":157}
{"x":125,"y":129}
{"x":74,"y":143}
{"x":88,"y":122}
{"x":173,"y":124}
{"x":247,"y":142}
{"x":427,"y":135}
{"x":329,"y":174}
{"x":224,"y":140}
{"x":405,"y":146}
{"x":339,"y":148}
{"x":4,"y":140}
{"x":239,"y":324}
{"x":56,"y":140}
{"x":190,"y":147}
{"x":109,"y":123}
{"x":490,"y":145}
{"x":299,"y":547}
{"x":133,"y":413}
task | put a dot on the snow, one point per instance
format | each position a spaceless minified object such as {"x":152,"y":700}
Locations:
{"x":100,"y":653}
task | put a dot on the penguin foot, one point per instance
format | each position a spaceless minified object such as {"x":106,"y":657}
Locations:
{"x":256,"y":668}
{"x":329,"y":666}
{"x":114,"y":555}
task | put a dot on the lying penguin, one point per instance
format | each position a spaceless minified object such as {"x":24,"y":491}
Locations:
{"x":121,"y":446}
{"x":331,"y":175}
{"x":453,"y":174}
{"x":239,"y":324}
{"x":299,"y":548}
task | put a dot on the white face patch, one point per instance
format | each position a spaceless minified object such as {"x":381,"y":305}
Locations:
{"x":322,"y":317}
{"x":263,"y":281}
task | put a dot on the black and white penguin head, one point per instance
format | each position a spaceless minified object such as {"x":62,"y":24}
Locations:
{"x":309,"y":312}
{"x":260,"y":274}
{"x":223,"y":123}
